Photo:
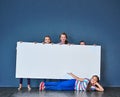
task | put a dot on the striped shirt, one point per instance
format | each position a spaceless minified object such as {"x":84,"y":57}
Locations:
{"x":82,"y":85}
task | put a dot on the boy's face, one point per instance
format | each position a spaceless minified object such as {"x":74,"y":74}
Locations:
{"x":47,"y":40}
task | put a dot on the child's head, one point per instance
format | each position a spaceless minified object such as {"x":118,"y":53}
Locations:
{"x":82,"y":42}
{"x":47,"y":40}
{"x":63,"y":38}
{"x":94,"y":79}
{"x":92,"y":82}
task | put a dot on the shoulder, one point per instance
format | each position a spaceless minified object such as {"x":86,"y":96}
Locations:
{"x":86,"y":80}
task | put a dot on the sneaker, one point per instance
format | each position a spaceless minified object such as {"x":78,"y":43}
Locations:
{"x":41,"y":87}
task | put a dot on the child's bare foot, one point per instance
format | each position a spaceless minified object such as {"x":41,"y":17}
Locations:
{"x":29,"y":88}
{"x":20,"y":87}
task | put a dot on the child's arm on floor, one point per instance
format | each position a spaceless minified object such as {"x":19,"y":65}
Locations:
{"x":99,"y":87}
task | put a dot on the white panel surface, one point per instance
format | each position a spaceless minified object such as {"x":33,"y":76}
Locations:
{"x":54,"y":61}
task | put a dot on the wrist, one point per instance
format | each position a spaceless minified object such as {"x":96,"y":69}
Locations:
{"x":96,"y":83}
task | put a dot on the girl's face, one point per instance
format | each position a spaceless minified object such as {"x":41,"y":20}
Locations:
{"x":47,"y":40}
{"x":94,"y":80}
{"x":63,"y":38}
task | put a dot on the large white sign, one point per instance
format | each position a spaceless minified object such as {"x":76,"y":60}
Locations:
{"x":54,"y":61}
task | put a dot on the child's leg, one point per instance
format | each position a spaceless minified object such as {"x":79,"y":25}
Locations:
{"x":28,"y":82}
{"x":52,"y":88}
{"x":20,"y":84}
{"x":58,"y":88}
{"x":51,"y":83}
{"x":67,"y":85}
{"x":21,"y":80}
{"x":62,"y":85}
{"x":48,"y":85}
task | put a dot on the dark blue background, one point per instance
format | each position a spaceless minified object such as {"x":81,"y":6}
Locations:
{"x":95,"y":21}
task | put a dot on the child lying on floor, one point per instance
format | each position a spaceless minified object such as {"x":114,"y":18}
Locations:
{"x":82,"y":84}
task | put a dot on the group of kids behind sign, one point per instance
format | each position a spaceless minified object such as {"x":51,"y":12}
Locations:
{"x":77,"y":83}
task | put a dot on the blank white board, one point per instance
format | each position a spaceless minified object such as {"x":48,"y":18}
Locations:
{"x":54,"y":61}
